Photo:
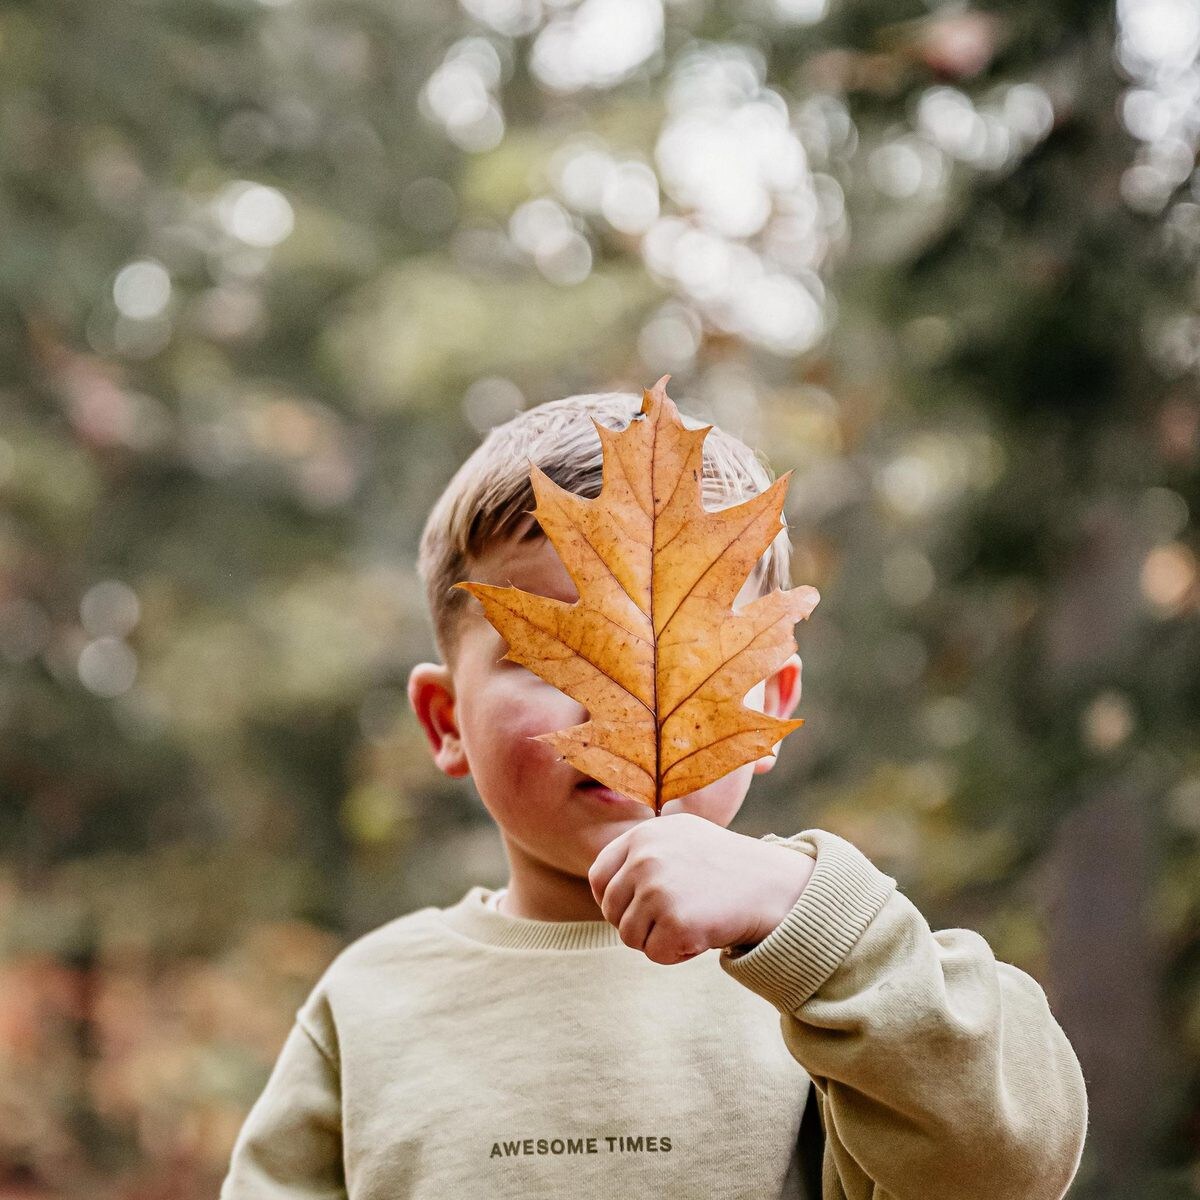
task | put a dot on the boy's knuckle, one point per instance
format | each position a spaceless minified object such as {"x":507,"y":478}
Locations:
{"x":643,"y":857}
{"x":655,"y":891}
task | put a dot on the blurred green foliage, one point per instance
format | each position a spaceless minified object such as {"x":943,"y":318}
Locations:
{"x":267,"y":273}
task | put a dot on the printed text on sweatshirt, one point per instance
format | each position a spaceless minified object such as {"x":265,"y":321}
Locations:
{"x":463,"y":1053}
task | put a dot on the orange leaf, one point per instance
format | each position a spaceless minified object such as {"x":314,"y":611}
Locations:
{"x":652,"y":647}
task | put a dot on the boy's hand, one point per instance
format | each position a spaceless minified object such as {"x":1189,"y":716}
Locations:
{"x":679,"y":884}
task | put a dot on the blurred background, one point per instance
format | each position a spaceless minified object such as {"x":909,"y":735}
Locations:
{"x":269,"y":269}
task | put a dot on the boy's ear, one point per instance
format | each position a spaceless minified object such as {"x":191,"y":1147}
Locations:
{"x":431,"y":694}
{"x":780,"y":697}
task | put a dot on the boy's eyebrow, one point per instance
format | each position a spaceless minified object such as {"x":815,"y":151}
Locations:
{"x":533,"y":530}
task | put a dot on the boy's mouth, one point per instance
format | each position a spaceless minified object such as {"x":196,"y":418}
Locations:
{"x":588,"y":782}
{"x":598,"y":791}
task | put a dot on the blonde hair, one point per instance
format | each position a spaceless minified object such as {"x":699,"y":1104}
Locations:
{"x":489,"y":496}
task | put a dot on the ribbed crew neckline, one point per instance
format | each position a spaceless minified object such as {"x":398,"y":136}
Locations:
{"x":473,"y":918}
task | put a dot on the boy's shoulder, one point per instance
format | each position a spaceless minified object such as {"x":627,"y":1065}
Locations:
{"x":379,"y":971}
{"x":390,"y":948}
{"x":394,"y":939}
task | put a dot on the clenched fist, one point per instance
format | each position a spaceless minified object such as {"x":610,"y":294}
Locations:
{"x":680,"y":884}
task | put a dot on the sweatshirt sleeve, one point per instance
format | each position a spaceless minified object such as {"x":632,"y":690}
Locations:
{"x":290,"y":1145}
{"x":936,"y":1066}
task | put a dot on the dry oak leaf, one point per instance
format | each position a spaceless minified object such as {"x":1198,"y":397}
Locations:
{"x":652,"y":647}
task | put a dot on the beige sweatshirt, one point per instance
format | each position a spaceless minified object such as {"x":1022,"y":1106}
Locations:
{"x":462,"y":1054}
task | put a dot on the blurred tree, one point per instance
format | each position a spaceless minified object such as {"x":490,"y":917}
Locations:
{"x":268,"y":272}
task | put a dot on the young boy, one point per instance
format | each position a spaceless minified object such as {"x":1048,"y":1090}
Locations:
{"x":642,"y":1010}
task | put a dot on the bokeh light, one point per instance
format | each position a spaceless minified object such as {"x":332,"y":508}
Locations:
{"x":597,"y":44}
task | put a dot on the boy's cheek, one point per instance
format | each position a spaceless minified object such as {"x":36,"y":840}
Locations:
{"x":532,"y":713}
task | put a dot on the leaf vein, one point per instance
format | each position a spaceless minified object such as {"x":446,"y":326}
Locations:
{"x":708,"y":746}
{"x":719,"y":667}
{"x":711,"y":566}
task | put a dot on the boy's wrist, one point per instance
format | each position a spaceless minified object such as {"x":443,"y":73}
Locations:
{"x":783,"y":887}
{"x":842,"y":897}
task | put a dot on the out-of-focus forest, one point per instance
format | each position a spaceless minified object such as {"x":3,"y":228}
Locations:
{"x":269,"y":269}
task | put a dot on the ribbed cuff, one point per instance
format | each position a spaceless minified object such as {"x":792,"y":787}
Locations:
{"x":841,"y":898}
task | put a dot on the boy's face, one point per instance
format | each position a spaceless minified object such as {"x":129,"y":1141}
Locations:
{"x":480,"y":715}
